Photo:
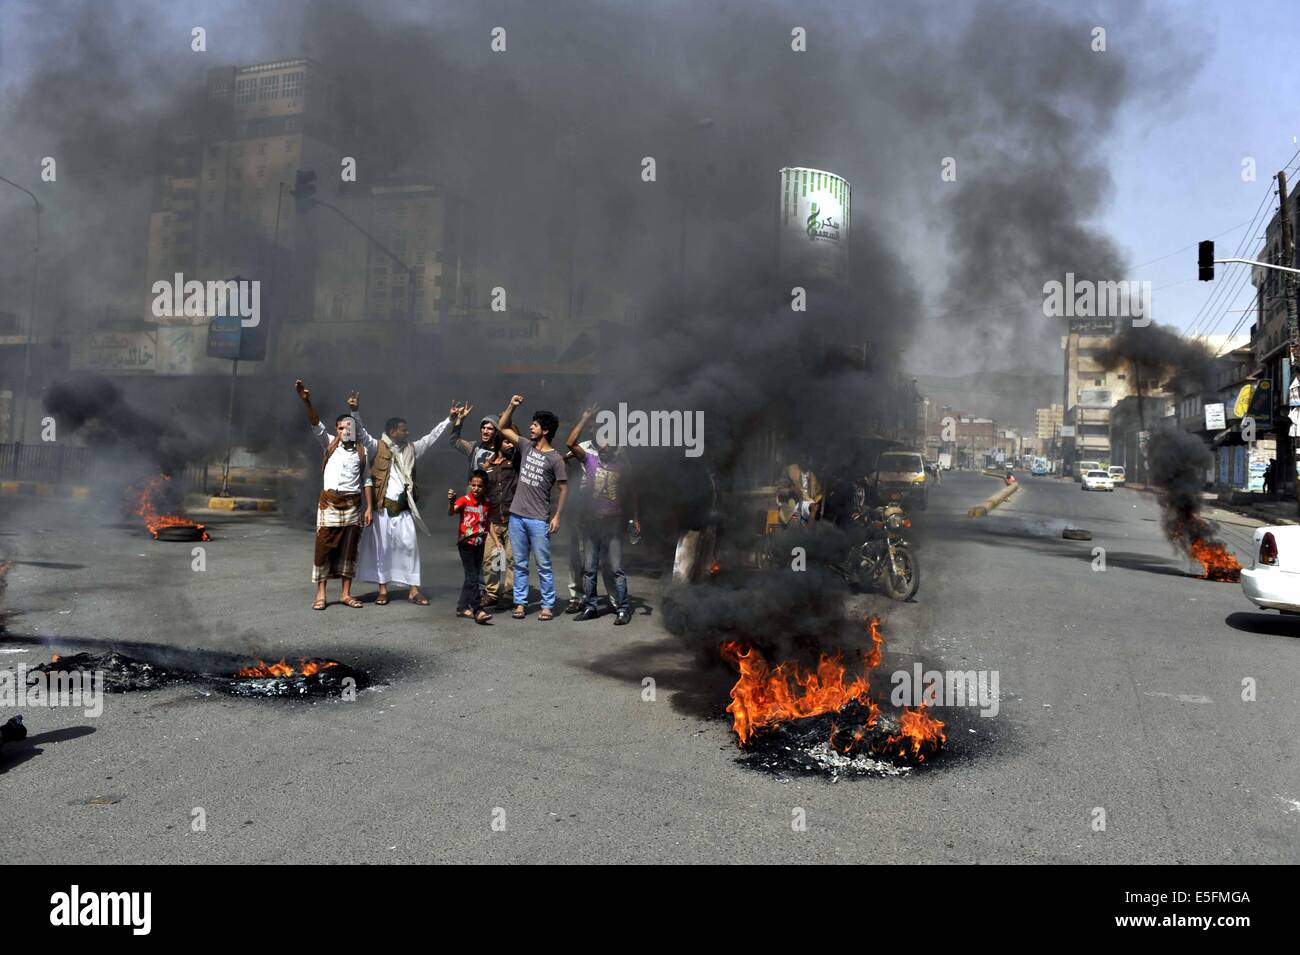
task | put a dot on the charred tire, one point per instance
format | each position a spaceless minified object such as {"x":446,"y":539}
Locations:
{"x":674,"y":617}
{"x":903,"y":588}
{"x":1073,"y":534}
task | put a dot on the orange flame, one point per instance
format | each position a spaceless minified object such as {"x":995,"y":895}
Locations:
{"x":1214,"y":557}
{"x":918,"y":734}
{"x":147,"y":510}
{"x":282,"y":669}
{"x":764,"y":695}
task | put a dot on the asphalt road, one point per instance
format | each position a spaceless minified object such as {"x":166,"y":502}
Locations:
{"x":1120,"y":690}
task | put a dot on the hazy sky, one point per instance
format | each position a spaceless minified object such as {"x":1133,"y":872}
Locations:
{"x":1178,"y":177}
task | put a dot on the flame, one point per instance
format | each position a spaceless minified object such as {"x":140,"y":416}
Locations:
{"x":282,"y":669}
{"x":55,"y":658}
{"x":764,"y":695}
{"x":146,"y":509}
{"x":918,"y":734}
{"x":1218,"y":563}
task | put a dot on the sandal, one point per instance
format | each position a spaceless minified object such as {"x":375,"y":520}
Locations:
{"x":546,"y":614}
{"x":482,"y":617}
{"x":319,"y":605}
{"x":418,"y":598}
{"x":352,"y":602}
{"x":518,"y":612}
{"x":465,"y":613}
{"x":381,"y":601}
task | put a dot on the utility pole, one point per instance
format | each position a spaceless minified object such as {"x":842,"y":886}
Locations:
{"x":1292,"y":332}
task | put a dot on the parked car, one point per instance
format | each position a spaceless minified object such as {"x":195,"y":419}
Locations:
{"x":1097,"y":480}
{"x":1116,"y":473}
{"x":901,"y":475}
{"x":1272,"y":582}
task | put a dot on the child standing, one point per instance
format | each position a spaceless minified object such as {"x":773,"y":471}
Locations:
{"x":471,"y":534}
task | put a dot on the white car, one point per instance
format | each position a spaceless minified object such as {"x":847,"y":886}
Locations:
{"x":1098,"y":481}
{"x":1116,"y":473}
{"x":1273,"y":581}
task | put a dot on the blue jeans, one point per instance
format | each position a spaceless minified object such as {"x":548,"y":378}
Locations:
{"x":602,"y":548}
{"x":528,"y":534}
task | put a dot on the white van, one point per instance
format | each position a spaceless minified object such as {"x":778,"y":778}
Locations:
{"x":1082,"y":467}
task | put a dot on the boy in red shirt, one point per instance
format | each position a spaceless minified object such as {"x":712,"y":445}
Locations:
{"x":475,"y":524}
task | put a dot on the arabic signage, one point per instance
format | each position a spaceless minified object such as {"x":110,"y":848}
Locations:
{"x":814,"y":225}
{"x":118,"y":352}
{"x":1215,"y":419}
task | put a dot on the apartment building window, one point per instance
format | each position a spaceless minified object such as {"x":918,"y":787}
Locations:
{"x":261,"y":171}
{"x":212,"y":173}
{"x":219,"y":89}
{"x":288,"y":145}
{"x":268,"y":87}
{"x":293,"y":85}
{"x":245,"y":91}
{"x":261,"y":149}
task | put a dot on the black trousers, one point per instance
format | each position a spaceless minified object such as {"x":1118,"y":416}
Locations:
{"x":471,"y":558}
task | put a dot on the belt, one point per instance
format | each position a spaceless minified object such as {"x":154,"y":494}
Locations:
{"x":393,"y":508}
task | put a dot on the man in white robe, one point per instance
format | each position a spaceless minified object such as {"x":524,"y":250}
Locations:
{"x":390,"y":552}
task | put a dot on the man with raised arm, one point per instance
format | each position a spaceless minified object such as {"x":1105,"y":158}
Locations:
{"x":537,"y":505}
{"x":390,"y":551}
{"x":345,"y":485}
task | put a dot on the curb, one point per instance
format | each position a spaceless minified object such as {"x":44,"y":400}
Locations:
{"x":75,"y":492}
{"x":982,"y":509}
{"x":241,"y":504}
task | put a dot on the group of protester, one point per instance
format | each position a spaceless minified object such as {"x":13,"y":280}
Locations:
{"x":517,"y":493}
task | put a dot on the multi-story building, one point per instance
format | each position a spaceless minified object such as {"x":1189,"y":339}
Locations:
{"x":1090,"y":392}
{"x":221,"y":204}
{"x":1270,"y":337}
{"x":1047,"y":422}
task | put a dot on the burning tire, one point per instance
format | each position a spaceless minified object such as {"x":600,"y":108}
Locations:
{"x":1075,"y":534}
{"x":181,"y":533}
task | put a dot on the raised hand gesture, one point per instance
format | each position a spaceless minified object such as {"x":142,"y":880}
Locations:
{"x":354,"y":399}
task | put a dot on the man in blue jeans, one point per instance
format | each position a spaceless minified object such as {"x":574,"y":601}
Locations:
{"x":537,"y":505}
{"x":602,"y":524}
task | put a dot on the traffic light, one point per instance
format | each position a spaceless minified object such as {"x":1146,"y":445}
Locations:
{"x":1205,"y":261}
{"x":304,"y":188}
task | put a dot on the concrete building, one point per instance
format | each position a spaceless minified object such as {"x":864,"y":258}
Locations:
{"x":1269,"y":337}
{"x":221,"y":204}
{"x":1090,"y":393}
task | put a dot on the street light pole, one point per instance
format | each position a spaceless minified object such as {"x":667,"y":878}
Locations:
{"x":31,"y":314}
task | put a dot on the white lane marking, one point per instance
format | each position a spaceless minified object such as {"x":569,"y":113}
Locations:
{"x":1182,"y":697}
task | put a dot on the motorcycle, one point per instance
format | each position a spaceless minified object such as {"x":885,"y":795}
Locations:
{"x":884,"y":559}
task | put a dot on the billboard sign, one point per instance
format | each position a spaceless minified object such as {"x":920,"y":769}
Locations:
{"x":116,"y":352}
{"x":1215,"y":418}
{"x":1094,"y":398}
{"x":814,"y":225}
